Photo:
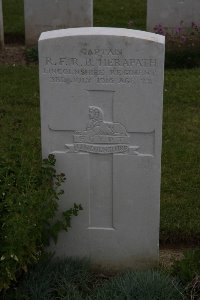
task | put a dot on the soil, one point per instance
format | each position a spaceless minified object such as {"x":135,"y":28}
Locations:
{"x":169,"y":256}
{"x":13,"y":55}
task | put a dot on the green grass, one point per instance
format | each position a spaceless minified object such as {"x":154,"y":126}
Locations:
{"x":13,"y":11}
{"x":180,"y":200}
{"x":180,"y":205}
{"x":19,"y":113}
{"x":128,"y":13}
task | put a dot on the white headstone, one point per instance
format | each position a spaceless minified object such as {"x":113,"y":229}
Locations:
{"x":172,"y":14}
{"x":46,"y":15}
{"x":101,"y":116}
{"x":1,"y":26}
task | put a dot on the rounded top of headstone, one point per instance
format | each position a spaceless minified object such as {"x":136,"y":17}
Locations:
{"x":102,"y":31}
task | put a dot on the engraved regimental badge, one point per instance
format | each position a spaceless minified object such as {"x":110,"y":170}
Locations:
{"x":101,"y":137}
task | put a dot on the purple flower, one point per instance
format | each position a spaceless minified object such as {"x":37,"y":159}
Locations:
{"x":178,"y":30}
{"x":183,"y":39}
{"x":195,"y":26}
{"x":159,"y":29}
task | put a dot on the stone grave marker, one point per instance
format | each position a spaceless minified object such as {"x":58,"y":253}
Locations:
{"x":1,"y":26}
{"x":101,"y":95}
{"x":172,"y":14}
{"x":46,"y":15}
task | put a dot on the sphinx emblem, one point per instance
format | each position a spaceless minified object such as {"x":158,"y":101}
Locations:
{"x":101,"y":132}
{"x":97,"y":126}
{"x":101,"y":137}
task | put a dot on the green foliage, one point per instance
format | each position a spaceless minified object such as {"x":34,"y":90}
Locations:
{"x":71,"y":279}
{"x":28,"y":200}
{"x":141,"y":285}
{"x":28,"y":205}
{"x":189,"y":267}
{"x":54,"y":279}
{"x":32,"y":54}
{"x":188,"y":271}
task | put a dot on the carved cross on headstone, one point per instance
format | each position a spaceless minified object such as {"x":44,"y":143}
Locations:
{"x":102,"y":139}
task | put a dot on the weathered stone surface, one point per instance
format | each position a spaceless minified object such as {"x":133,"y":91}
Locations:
{"x":172,"y":14}
{"x":46,"y":15}
{"x":1,"y":26}
{"x":101,"y":116}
